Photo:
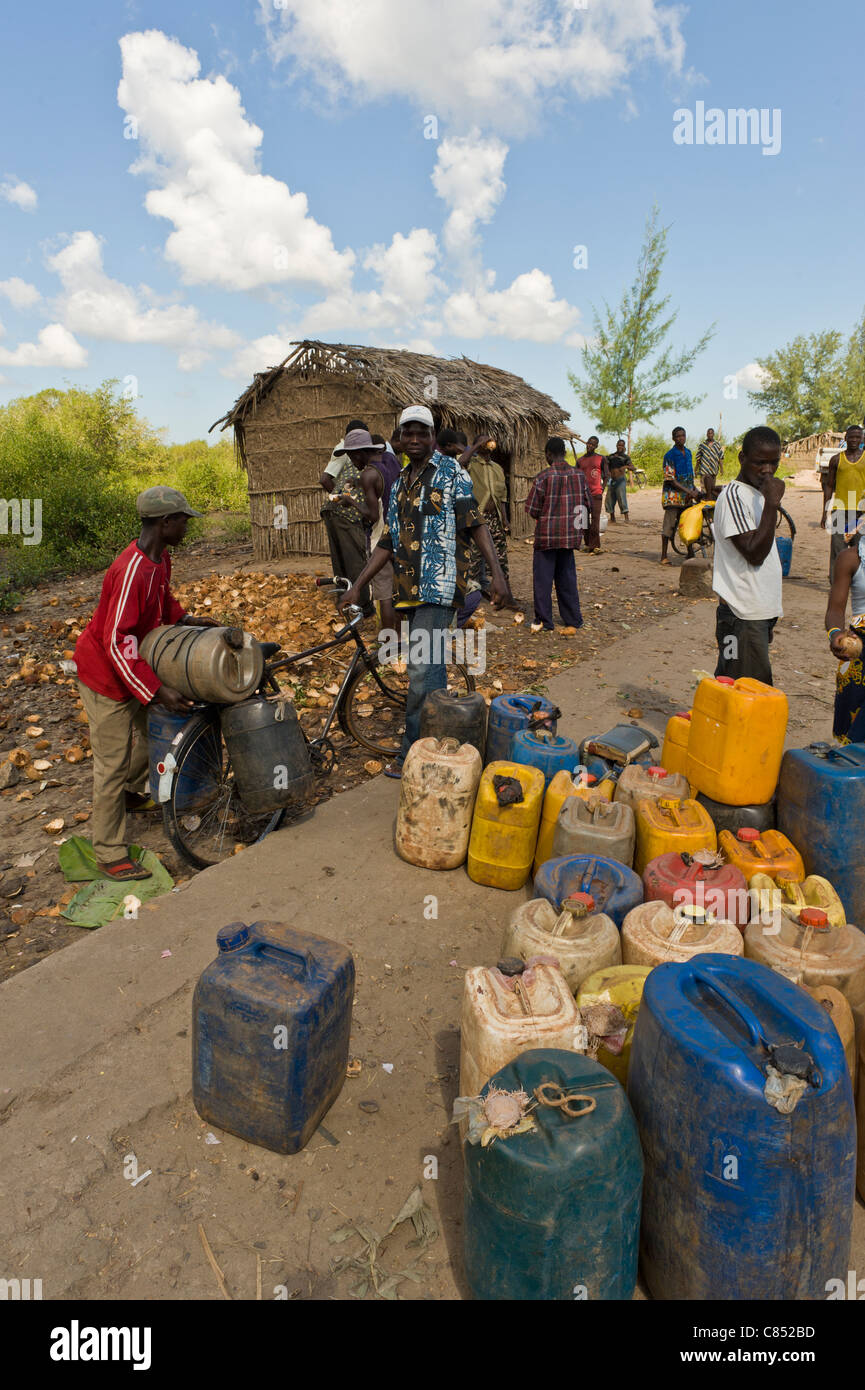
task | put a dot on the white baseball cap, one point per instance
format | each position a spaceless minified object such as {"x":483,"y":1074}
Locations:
{"x":421,"y":413}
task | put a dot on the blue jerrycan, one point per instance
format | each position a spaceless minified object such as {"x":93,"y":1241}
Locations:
{"x":614,"y":887}
{"x":821,"y":808}
{"x":742,"y":1199}
{"x":510,"y":713}
{"x":271,"y":1019}
{"x":555,"y":1213}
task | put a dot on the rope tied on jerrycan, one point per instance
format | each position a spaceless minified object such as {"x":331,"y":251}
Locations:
{"x":559,"y":1099}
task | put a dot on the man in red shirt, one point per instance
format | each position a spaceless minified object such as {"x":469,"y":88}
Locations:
{"x":116,"y":686}
{"x":594,"y":470}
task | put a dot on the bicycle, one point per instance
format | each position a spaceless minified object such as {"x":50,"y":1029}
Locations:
{"x":706,"y":538}
{"x":206,"y":826}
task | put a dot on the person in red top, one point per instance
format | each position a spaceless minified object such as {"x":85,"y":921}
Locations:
{"x":595,"y":471}
{"x":116,"y":686}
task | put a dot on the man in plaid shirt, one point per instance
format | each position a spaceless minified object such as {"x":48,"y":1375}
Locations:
{"x":559,"y":502}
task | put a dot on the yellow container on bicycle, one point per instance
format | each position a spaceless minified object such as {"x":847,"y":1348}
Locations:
{"x":691,"y":523}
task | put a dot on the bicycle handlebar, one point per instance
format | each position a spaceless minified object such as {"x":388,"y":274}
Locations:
{"x":335,"y":581}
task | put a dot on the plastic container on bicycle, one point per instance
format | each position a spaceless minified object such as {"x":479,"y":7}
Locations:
{"x":269,"y":754}
{"x":271,"y":1020}
{"x":199,"y":662}
{"x":510,"y":713}
{"x":196,"y":782}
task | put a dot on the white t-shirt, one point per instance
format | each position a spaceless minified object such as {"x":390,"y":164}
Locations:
{"x":752,"y":591}
{"x":335,"y":462}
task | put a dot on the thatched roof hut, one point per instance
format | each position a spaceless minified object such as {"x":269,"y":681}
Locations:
{"x":290,"y":418}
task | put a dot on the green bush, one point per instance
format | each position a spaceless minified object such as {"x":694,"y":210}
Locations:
{"x":86,"y":456}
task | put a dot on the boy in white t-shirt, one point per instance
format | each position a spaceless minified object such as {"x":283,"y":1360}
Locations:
{"x":747,"y":574}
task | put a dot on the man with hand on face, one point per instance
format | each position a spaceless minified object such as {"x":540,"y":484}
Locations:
{"x":116,"y":686}
{"x":432,"y":520}
{"x":747,"y":573}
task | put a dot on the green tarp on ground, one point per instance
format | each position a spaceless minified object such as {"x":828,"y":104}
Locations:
{"x":102,"y":899}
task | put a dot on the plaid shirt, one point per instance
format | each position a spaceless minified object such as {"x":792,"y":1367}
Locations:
{"x":428,"y":532}
{"x":559,"y":502}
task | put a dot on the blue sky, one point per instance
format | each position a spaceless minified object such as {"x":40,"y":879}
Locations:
{"x":554,"y":129}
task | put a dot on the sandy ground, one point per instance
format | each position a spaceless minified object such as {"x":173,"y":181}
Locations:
{"x":96,"y":1037}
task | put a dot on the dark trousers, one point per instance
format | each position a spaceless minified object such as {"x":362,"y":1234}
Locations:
{"x":743,"y":645}
{"x":347,"y":541}
{"x":593,"y":534}
{"x":556,"y":567}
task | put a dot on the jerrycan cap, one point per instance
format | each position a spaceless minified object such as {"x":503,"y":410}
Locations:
{"x":725,"y":680}
{"x":579,"y":904}
{"x":657,"y":772}
{"x":234,"y":935}
{"x":820,"y":750}
{"x":815,"y":918}
{"x":586,"y":779}
{"x":683,"y":714}
{"x":511,"y":965}
{"x":791,"y":1059}
{"x":746,"y":833}
{"x":669,"y":803}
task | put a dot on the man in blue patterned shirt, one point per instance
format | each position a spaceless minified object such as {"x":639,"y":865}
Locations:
{"x":432,"y":522}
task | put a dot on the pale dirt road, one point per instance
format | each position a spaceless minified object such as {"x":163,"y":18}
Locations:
{"x":95,"y":1038}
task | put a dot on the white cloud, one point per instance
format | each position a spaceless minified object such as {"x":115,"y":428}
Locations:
{"x":261,"y":353}
{"x":527,"y":309}
{"x":20,"y":193}
{"x":19,"y":293}
{"x":753,"y":377}
{"x":54,"y":347}
{"x":468,"y":176}
{"x":233,"y":226}
{"x":494,"y":63}
{"x":94,"y":304}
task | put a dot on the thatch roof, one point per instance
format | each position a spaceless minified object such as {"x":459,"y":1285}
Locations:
{"x":465,"y":390}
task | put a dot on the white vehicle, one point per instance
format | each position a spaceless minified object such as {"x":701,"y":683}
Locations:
{"x":824,"y":457}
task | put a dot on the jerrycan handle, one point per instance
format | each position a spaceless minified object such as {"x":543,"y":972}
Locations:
{"x":746,"y":1015}
{"x":588,"y":875}
{"x":302,"y":963}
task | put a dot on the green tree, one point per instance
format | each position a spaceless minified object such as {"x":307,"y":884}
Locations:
{"x":630,"y":366}
{"x":800,"y":395}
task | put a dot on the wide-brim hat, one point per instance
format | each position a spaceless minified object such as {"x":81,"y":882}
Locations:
{"x":357,"y":439}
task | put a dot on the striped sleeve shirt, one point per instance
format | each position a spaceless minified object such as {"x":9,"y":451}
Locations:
{"x":136,"y":597}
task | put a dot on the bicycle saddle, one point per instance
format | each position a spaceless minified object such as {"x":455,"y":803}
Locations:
{"x":269,"y":649}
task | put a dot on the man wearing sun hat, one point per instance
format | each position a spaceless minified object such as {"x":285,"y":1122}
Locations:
{"x":432,"y":521}
{"x":116,"y":686}
{"x":346,"y":510}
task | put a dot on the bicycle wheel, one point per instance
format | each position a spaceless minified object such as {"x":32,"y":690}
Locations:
{"x":373,"y":710}
{"x":204,"y":817}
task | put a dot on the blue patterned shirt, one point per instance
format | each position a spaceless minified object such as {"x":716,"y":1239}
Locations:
{"x":428,"y":533}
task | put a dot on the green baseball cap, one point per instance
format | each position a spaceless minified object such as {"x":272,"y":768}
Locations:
{"x":163,"y":501}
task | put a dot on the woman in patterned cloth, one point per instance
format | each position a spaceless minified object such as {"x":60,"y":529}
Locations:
{"x":491,"y":494}
{"x":849,"y":582}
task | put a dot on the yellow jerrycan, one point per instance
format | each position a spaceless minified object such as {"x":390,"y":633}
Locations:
{"x":674,"y":753}
{"x":671,"y":825}
{"x":505,"y":832}
{"x":737,"y":740}
{"x":860,"y":1117}
{"x":504,"y":1015}
{"x":621,"y":985}
{"x":814,"y":891}
{"x":761,"y":852}
{"x":581,"y":939}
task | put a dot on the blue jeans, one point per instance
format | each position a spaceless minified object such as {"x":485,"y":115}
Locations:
{"x":425,"y":673}
{"x":617,"y":491}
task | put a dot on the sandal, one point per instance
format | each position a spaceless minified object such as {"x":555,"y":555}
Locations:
{"x":139,"y":801}
{"x":121,"y":870}
{"x":394,"y":768}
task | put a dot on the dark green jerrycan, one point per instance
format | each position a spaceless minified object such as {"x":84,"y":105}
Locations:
{"x":555,"y":1214}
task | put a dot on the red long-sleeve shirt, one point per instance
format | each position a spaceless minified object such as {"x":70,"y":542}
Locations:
{"x":136,"y":597}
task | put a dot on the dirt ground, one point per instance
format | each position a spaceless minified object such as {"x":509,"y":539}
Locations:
{"x":95,"y":1084}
